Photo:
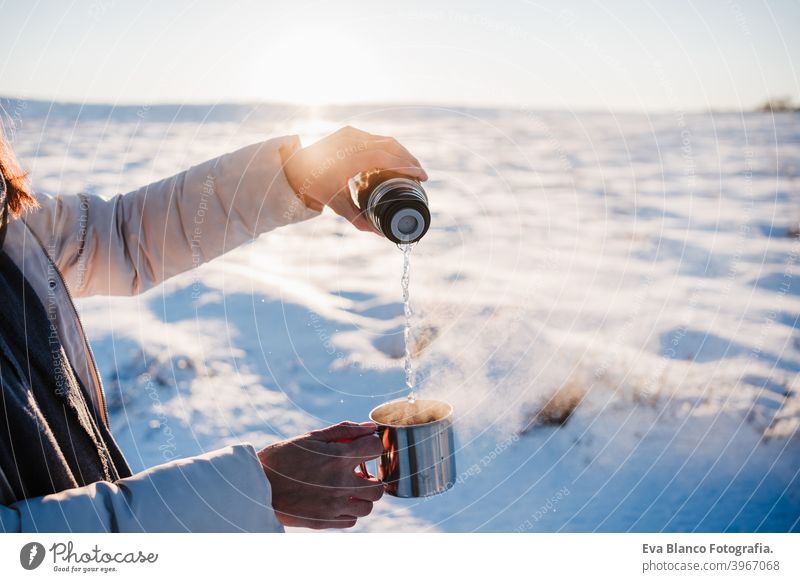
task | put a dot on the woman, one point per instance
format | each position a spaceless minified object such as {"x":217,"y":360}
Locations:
{"x":60,"y":469}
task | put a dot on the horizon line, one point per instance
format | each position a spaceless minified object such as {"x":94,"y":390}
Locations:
{"x":386,"y":104}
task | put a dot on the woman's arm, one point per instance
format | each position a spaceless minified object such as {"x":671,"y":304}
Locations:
{"x":307,"y":481}
{"x":132,"y":242}
{"x":221,"y":491}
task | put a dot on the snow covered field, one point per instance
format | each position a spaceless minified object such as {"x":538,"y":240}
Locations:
{"x":637,"y":266}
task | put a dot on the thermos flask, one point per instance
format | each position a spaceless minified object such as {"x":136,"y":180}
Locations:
{"x":395,"y":204}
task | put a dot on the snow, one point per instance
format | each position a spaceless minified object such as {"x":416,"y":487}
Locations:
{"x":638,"y":262}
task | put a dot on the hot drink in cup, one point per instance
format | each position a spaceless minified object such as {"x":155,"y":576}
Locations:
{"x":419,"y":451}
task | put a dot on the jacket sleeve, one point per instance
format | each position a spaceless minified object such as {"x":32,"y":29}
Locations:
{"x":131,"y":242}
{"x":221,"y":491}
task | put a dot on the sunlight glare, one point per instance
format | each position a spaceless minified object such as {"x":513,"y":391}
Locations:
{"x":320,"y":65}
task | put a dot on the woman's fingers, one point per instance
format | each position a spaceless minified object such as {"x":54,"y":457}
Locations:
{"x":344,"y":206}
{"x":380,"y":159}
{"x":361,"y":449}
{"x":341,"y":522}
{"x":319,"y":173}
{"x":367,"y":489}
{"x":358,"y":507}
{"x":395,"y":148}
{"x":384,"y":142}
{"x":345,"y":430}
{"x":341,"y":506}
{"x":321,"y":522}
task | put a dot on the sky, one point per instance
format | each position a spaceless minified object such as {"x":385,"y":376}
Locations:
{"x":635,"y":55}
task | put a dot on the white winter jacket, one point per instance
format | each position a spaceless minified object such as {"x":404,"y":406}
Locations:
{"x":124,"y":246}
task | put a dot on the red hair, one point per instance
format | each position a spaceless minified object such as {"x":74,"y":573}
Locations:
{"x":18,"y":196}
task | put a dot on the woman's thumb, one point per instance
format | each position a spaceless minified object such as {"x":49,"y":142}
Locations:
{"x":344,"y":431}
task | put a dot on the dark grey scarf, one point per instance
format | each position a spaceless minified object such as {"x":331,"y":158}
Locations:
{"x":49,"y":438}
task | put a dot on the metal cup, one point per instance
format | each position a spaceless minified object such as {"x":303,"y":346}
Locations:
{"x":419,"y":457}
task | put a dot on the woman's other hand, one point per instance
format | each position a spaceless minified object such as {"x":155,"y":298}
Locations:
{"x":313,"y":479}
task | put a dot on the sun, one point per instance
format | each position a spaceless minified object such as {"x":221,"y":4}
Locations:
{"x":317,"y":66}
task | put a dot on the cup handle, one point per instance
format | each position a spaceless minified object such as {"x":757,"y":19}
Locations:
{"x":363,"y":465}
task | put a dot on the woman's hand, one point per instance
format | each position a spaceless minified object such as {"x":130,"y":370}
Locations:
{"x":319,"y":172}
{"x":313,"y":478}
